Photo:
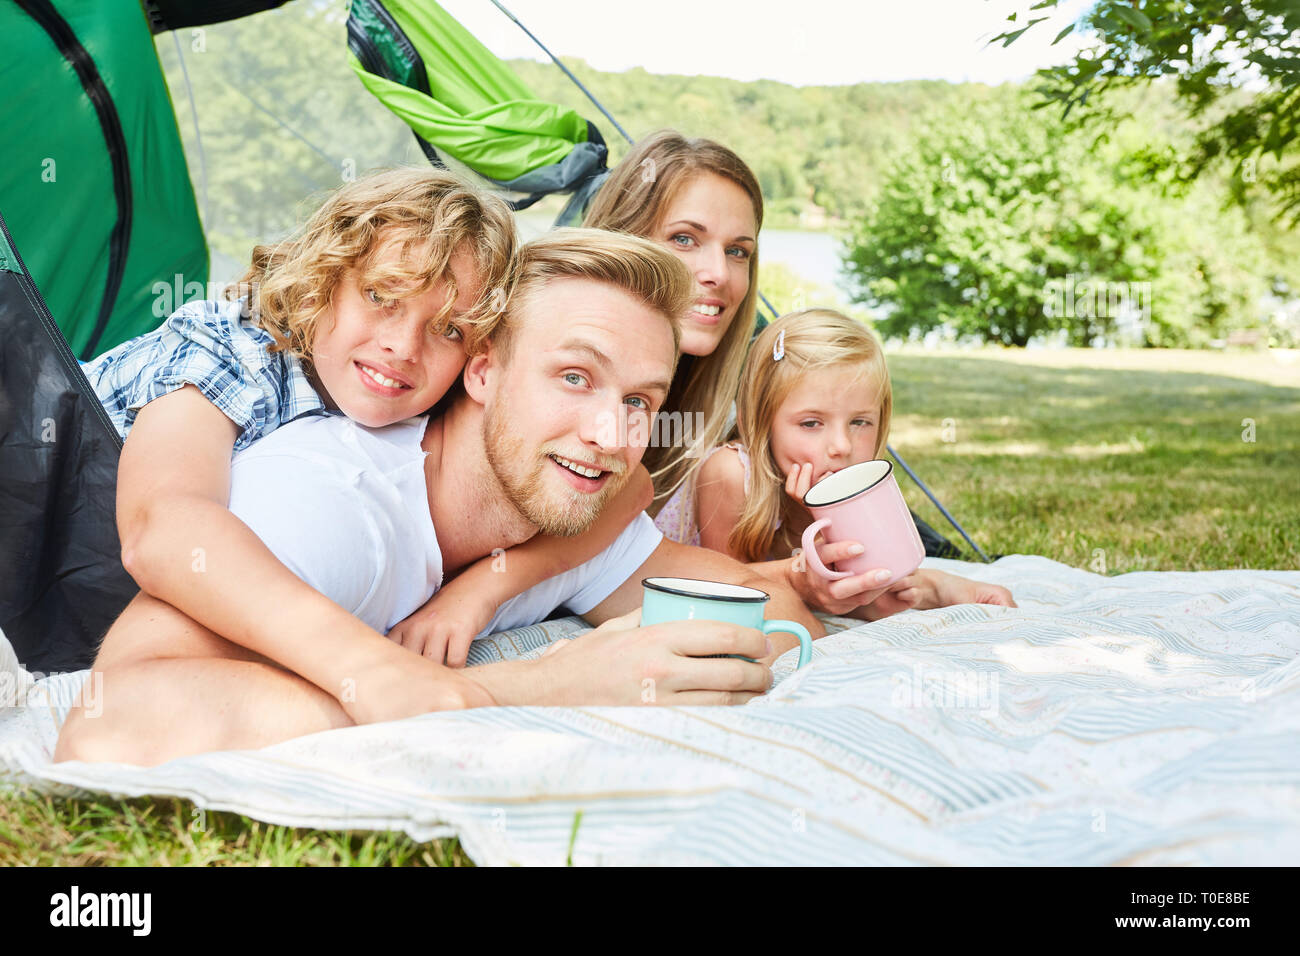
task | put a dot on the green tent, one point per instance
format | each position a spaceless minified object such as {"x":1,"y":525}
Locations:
{"x":96,"y":188}
{"x":101,"y":238}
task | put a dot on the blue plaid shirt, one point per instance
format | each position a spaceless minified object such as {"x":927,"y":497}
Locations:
{"x":212,"y":346}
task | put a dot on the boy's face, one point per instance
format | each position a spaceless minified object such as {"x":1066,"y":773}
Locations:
{"x":831,"y":419}
{"x":376,"y":359}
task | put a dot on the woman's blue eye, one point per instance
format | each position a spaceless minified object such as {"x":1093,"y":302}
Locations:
{"x":681,"y":235}
{"x":739,"y":252}
{"x":453,"y":333}
{"x":811,"y":423}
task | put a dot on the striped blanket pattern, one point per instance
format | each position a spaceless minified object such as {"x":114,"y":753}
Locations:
{"x":1149,"y":718}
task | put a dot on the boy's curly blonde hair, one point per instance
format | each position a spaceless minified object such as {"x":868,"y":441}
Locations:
{"x":429,"y":213}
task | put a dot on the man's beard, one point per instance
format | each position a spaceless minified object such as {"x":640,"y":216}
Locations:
{"x":565,"y":515}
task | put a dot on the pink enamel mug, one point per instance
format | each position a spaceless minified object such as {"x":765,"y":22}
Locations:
{"x":862,"y":503}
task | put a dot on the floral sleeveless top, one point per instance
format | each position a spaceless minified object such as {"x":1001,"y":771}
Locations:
{"x":677,"y":519}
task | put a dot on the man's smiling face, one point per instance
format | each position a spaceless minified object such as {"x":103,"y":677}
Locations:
{"x":567,"y":412}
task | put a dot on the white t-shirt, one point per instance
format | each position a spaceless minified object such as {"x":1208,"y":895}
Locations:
{"x":346,"y":508}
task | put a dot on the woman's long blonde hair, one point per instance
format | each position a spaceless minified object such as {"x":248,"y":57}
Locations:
{"x":634,"y":199}
{"x":806,"y":342}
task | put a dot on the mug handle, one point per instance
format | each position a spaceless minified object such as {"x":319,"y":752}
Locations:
{"x":799,"y":631}
{"x":810,"y":551}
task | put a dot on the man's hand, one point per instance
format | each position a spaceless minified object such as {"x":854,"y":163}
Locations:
{"x":445,"y":627}
{"x":619,"y":663}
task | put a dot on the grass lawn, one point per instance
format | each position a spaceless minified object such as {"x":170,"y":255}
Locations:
{"x":1133,"y":460}
{"x":1114,"y":461}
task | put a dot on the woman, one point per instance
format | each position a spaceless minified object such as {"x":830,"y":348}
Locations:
{"x":702,"y":201}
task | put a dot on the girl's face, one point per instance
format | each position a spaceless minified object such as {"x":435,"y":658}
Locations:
{"x":376,"y":359}
{"x":710,"y":227}
{"x":831,"y":419}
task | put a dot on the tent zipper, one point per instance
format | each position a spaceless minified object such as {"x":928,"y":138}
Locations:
{"x":50,"y":20}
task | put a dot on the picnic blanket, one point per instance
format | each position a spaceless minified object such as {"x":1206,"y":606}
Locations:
{"x":1149,"y":718}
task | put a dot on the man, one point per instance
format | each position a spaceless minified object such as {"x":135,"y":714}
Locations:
{"x":377,"y":518}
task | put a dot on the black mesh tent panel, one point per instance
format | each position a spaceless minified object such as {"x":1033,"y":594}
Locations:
{"x":58,"y":473}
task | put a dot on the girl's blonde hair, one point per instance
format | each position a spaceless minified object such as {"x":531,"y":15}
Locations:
{"x":635,"y":199}
{"x":807,"y":342}
{"x":429,"y":213}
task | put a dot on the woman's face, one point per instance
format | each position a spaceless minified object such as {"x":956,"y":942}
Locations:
{"x":710,"y":227}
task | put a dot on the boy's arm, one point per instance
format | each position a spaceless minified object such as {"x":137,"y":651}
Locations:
{"x":929,"y":588}
{"x":181,"y":544}
{"x":446,"y":625}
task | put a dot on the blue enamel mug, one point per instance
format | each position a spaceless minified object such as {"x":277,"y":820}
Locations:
{"x":688,"y":599}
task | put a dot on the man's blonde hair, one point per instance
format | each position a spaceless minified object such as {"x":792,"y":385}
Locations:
{"x":635,"y":199}
{"x":806,"y":342}
{"x":429,"y":213}
{"x":643,"y":269}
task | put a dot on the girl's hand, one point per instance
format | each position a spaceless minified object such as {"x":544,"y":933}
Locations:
{"x":844,"y":595}
{"x":799,"y":480}
{"x":444,"y":628}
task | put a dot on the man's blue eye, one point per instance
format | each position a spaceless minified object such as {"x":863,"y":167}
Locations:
{"x":643,"y":402}
{"x":570,"y":376}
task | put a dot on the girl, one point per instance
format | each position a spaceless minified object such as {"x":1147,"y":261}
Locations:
{"x":368,"y":311}
{"x":815,"y":397}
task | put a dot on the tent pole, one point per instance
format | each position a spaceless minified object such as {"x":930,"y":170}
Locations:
{"x":929,"y":494}
{"x":556,"y":60}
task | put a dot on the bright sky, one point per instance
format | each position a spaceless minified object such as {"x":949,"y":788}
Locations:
{"x":803,"y":42}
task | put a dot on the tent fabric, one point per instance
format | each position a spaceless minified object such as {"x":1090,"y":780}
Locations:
{"x":95,"y":186}
{"x":461,"y":99}
{"x":62,"y":582}
{"x":174,"y":14}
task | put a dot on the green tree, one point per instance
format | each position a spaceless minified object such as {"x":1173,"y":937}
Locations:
{"x":1235,"y":69}
{"x":1002,"y":225}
